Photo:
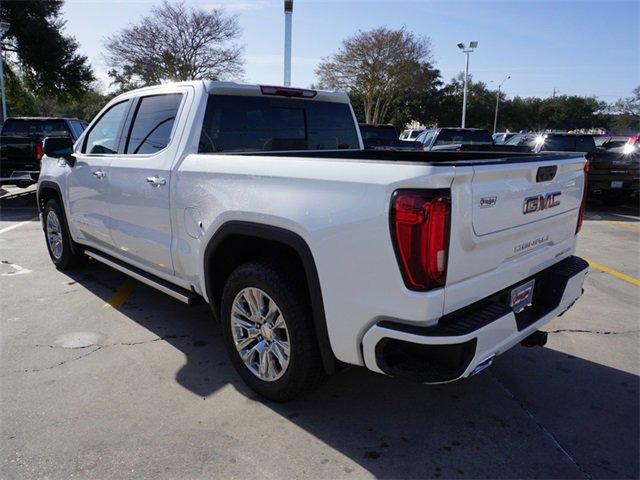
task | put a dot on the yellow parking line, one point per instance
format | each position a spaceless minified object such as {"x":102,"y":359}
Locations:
{"x":615,"y":273}
{"x":628,"y":226}
{"x":121,"y":295}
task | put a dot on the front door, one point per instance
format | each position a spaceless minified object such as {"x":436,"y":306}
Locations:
{"x":140,"y":180}
{"x":88,"y":180}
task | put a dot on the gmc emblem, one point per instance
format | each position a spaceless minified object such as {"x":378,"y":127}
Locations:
{"x":541,"y":202}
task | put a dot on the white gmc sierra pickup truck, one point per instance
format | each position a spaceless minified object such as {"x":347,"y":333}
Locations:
{"x":310,"y":251}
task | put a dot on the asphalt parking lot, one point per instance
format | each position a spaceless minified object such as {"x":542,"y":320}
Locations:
{"x":103,"y":377}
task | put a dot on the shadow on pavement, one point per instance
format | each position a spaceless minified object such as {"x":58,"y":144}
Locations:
{"x":502,"y":423}
{"x":18,"y":207}
{"x":596,"y":208}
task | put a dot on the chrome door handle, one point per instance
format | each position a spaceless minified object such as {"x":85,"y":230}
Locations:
{"x":99,"y":174}
{"x":156,"y":181}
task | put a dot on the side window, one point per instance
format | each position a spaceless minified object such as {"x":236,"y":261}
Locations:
{"x":103,"y":136}
{"x":152,"y":123}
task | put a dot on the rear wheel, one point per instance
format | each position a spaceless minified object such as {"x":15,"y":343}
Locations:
{"x":59,"y":242}
{"x":269,"y":333}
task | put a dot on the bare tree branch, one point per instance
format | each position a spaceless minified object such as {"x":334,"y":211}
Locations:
{"x":176,"y":43}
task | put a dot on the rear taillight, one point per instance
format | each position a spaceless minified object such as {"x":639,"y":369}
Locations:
{"x":420,"y":230}
{"x":583,"y":205}
{"x":39,"y":152}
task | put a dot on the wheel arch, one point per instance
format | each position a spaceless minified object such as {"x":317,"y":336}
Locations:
{"x":279,"y":238}
{"x":46,"y":191}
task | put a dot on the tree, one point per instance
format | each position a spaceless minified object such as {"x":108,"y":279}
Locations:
{"x":175,"y":43}
{"x":40,"y":53}
{"x":624,"y":114}
{"x":375,"y":66}
{"x":481,"y":103}
{"x":418,"y":100}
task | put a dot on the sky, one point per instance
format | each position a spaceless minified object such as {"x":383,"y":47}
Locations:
{"x":578,"y":47}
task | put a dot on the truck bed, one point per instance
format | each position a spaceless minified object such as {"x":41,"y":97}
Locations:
{"x":443,"y":158}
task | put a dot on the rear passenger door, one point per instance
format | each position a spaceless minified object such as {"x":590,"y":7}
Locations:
{"x":141,"y":178}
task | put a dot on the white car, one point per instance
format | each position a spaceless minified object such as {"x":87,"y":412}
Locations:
{"x":311,"y":251}
{"x":411,"y":135}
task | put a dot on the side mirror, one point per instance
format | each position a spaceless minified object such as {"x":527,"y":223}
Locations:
{"x":59,"y":147}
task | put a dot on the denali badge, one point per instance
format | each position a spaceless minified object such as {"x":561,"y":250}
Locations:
{"x":486,"y":202}
{"x":541,"y":202}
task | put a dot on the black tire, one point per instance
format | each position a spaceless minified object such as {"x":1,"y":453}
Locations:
{"x":70,"y":255}
{"x":304,"y":371}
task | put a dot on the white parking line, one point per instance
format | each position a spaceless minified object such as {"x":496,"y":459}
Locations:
{"x":17,"y":225}
{"x":17,"y":270}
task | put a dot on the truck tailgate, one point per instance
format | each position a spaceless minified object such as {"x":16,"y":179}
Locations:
{"x":510,"y":221}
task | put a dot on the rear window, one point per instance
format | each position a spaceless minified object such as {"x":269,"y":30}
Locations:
{"x":462,"y":137}
{"x":567,"y":143}
{"x":235,"y":123}
{"x":378,"y":133}
{"x":36,"y":127}
{"x":414,"y":134}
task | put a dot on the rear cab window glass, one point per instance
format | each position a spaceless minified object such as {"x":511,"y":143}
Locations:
{"x":51,"y":128}
{"x":235,"y":123}
{"x":103,"y":136}
{"x":469,"y":137}
{"x":585,"y":144}
{"x":152,"y":123}
{"x":370,"y":132}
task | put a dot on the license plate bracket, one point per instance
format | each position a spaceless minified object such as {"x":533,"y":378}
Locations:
{"x":522,"y":296}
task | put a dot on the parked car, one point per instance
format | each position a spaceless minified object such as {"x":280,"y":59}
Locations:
{"x":21,"y":145}
{"x":614,"y":176}
{"x":566,"y":142}
{"x":502,"y":137}
{"x":553,"y":142}
{"x":618,"y":144}
{"x":454,"y":138}
{"x":311,"y":251}
{"x":411,"y":134}
{"x":384,"y":137}
{"x":527,"y":141}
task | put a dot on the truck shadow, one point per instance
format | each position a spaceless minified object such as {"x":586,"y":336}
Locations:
{"x":511,"y":421}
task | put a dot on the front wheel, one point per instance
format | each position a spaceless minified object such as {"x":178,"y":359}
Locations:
{"x":269,"y":333}
{"x":59,"y":242}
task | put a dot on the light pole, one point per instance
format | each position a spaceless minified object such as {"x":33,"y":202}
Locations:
{"x":472,"y":46}
{"x":4,"y":26}
{"x":288,"y":12}
{"x":495,"y":119}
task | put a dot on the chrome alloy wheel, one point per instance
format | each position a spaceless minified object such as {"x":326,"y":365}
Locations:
{"x":260,"y":334}
{"x":54,"y":235}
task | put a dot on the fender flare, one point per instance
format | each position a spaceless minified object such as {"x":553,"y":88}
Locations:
{"x":45,"y":184}
{"x":299,"y":245}
{"x":48,"y":184}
